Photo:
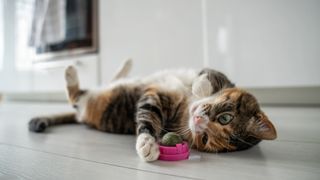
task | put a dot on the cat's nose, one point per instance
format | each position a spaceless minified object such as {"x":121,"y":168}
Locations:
{"x":198,"y":120}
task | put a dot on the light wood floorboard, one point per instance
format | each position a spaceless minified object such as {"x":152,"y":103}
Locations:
{"x":65,"y":152}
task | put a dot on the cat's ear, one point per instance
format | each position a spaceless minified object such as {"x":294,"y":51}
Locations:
{"x":261,"y":127}
{"x":201,"y":86}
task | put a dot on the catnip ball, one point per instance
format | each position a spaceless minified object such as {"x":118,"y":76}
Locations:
{"x":171,"y":139}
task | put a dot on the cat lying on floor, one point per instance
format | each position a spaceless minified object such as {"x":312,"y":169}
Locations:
{"x":204,"y":107}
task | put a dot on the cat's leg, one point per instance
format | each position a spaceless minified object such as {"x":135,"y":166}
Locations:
{"x":124,"y":70}
{"x":149,"y":116}
{"x":72,"y":83}
{"x":39,"y":124}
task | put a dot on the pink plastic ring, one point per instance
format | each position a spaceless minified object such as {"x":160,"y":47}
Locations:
{"x":174,"y":153}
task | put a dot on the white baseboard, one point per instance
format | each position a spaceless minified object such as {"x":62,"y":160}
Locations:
{"x":57,"y":96}
{"x":287,"y":95}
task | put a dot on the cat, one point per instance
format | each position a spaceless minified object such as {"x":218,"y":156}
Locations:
{"x":204,"y":107}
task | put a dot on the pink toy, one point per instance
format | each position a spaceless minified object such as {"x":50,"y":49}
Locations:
{"x":174,"y":153}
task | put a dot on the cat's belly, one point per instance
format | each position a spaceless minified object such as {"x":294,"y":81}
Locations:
{"x":114,"y":110}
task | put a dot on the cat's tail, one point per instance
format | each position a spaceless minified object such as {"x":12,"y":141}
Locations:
{"x":124,"y":70}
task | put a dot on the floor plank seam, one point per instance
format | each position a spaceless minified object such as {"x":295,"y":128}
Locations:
{"x":303,"y":142}
{"x":93,"y":161}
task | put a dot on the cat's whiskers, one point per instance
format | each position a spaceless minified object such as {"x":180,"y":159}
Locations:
{"x":228,"y":140}
{"x":235,"y":136}
{"x":195,"y":141}
{"x":183,"y":130}
{"x":192,"y":143}
{"x":183,"y":133}
{"x":214,"y":150}
{"x":159,"y":127}
{"x":211,"y":131}
{"x":219,"y":142}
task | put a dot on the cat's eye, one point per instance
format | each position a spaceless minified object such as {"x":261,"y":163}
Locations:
{"x":225,"y":118}
{"x":204,"y":139}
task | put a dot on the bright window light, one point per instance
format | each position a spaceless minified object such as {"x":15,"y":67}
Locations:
{"x":23,"y":18}
{"x":1,"y":34}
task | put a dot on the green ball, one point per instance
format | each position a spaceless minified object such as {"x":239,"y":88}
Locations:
{"x":171,"y":139}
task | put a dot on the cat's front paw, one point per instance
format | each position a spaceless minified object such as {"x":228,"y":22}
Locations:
{"x":147,"y":147}
{"x":38,"y":124}
{"x":201,"y":86}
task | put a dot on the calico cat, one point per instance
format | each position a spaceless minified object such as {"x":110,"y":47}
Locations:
{"x":217,"y":117}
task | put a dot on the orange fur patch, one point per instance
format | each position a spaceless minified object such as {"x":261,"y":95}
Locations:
{"x":95,"y":108}
{"x":73,"y":93}
{"x":233,"y":93}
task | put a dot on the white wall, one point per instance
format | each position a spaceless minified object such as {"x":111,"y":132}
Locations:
{"x":157,"y":34}
{"x":266,"y":43}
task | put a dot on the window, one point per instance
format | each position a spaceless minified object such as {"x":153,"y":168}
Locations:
{"x":23,"y":17}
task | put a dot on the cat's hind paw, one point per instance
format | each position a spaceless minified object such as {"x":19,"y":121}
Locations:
{"x":38,"y":124}
{"x":71,"y":76}
{"x":147,"y":147}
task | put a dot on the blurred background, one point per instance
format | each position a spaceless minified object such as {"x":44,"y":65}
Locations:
{"x":270,"y":47}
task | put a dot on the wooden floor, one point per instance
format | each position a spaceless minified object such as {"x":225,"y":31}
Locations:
{"x":77,"y":152}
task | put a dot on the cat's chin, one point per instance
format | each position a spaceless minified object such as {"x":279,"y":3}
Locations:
{"x":199,"y":130}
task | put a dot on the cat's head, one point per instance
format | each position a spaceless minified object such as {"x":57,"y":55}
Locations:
{"x":228,"y":121}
